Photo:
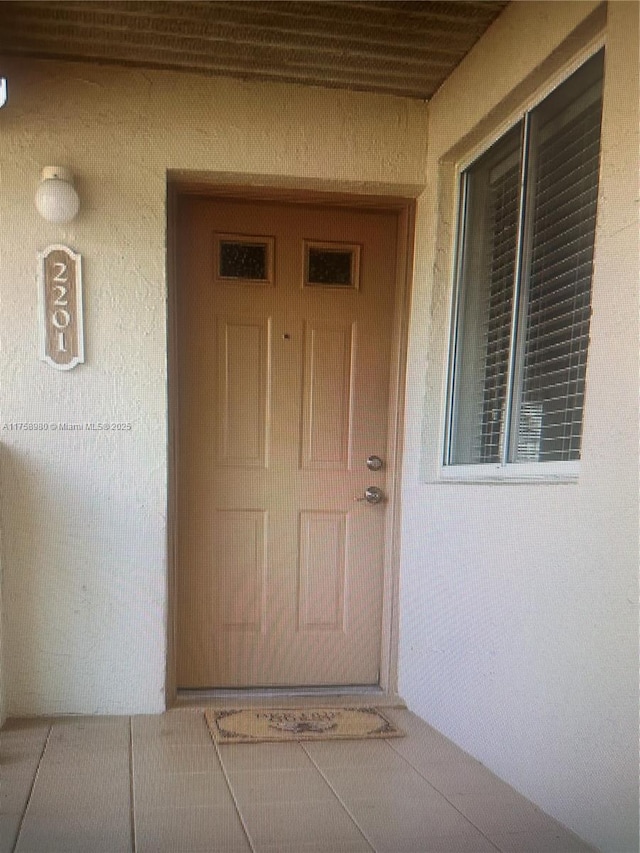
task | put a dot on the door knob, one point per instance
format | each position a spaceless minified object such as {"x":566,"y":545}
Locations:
{"x":374,"y":463}
{"x":372,"y":495}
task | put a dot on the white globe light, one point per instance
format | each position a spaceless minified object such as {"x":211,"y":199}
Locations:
{"x":56,"y":198}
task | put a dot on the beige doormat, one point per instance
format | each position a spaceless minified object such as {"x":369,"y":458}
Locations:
{"x":252,"y":725}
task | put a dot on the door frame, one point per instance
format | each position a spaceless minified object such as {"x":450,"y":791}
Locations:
{"x":404,"y":208}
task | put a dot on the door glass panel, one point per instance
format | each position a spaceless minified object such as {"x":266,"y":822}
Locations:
{"x":331,"y":265}
{"x":244,"y":259}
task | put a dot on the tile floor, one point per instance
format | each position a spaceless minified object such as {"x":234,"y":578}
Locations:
{"x":158,"y":784}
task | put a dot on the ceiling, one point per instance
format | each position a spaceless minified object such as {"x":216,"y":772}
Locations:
{"x":386,"y":46}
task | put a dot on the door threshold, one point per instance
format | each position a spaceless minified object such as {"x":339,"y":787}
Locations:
{"x":287,"y":697}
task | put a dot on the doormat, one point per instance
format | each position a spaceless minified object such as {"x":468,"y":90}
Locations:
{"x":253,"y":725}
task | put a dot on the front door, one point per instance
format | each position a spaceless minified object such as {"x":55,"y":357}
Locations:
{"x":284,"y":338}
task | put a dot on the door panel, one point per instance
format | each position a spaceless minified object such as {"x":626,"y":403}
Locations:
{"x":239,"y":536}
{"x":283,"y":388}
{"x":321,"y":583}
{"x":243,"y":390}
{"x":327,"y":397}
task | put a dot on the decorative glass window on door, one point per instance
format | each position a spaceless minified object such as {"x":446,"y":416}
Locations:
{"x":523,"y":304}
{"x":331,"y":265}
{"x":243,"y":259}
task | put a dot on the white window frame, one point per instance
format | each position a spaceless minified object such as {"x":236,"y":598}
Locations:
{"x":507,"y":472}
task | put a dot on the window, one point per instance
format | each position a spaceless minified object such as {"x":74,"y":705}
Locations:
{"x":331,"y":265}
{"x":243,"y":259}
{"x":521,"y":319}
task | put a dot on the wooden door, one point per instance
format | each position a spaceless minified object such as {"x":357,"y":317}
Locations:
{"x":284,"y":328}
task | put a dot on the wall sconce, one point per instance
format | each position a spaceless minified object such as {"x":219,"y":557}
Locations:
{"x":56,"y":198}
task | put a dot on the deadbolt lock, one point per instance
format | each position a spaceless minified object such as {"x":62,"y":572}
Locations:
{"x":374,"y":463}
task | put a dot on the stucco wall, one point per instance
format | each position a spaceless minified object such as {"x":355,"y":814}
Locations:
{"x":84,"y":513}
{"x":518,"y":639}
{"x":3,"y":703}
{"x":519,"y":602}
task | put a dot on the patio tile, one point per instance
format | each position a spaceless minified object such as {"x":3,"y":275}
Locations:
{"x":355,"y":753}
{"x":418,"y":794}
{"x":237,"y":757}
{"x":323,"y":822}
{"x":415,"y":825}
{"x":67,"y":831}
{"x":196,"y":830}
{"x":20,"y":753}
{"x":395,"y":784}
{"x":556,"y":841}
{"x":316,"y":847}
{"x":278,"y":786}
{"x":9,"y":825}
{"x":15,"y":786}
{"x":493,"y":814}
{"x":81,"y":796}
{"x":183,"y":726}
{"x":180,"y":790}
{"x":21,"y":745}
{"x":174,"y":757}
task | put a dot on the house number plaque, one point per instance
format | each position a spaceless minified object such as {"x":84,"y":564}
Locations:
{"x":60,"y":286}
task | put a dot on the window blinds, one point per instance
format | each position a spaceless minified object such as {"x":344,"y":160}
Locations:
{"x":558,"y":290}
{"x":518,"y":371}
{"x":490,"y":222}
{"x":498,"y":309}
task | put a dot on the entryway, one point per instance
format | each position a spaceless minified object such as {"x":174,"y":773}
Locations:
{"x":288,"y":375}
{"x":158,"y":784}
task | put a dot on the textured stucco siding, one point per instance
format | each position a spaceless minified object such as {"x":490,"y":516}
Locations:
{"x":519,"y":601}
{"x":84,"y":514}
{"x":518,"y":637}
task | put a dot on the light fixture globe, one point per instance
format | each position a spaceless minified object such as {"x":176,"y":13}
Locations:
{"x":56,"y":198}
